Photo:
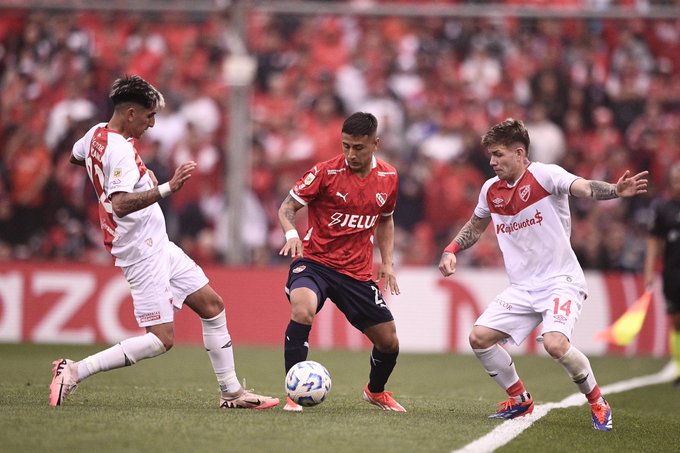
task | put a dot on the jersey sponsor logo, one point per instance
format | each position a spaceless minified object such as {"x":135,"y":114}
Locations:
{"x":334,"y":171}
{"x":524,"y":192}
{"x":299,"y":269}
{"x":509,"y":228}
{"x":386,"y":173}
{"x":344,"y":197}
{"x":381,"y":198}
{"x":361,"y":222}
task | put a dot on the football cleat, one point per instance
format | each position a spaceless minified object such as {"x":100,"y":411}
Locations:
{"x":246,"y":399}
{"x":383,"y":400}
{"x":292,"y":406}
{"x":602,"y":416}
{"x":513,"y":407}
{"x":64,"y":381}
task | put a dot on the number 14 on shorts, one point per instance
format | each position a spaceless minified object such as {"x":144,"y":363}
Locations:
{"x":564,"y":307}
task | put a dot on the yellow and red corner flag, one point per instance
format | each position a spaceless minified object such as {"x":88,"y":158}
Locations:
{"x":624,"y":329}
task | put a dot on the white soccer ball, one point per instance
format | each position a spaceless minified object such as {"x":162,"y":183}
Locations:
{"x":308,"y":383}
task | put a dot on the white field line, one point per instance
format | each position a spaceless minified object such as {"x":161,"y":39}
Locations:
{"x":510,"y":429}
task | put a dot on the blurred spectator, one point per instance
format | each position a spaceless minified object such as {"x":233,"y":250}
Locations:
{"x":547,"y":139}
{"x":607,"y":92}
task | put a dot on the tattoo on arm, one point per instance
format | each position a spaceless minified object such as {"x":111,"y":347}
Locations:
{"x":288,"y":209}
{"x":603,"y":190}
{"x":127,"y":203}
{"x":470,"y":233}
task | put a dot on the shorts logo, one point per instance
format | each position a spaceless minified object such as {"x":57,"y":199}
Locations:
{"x":117,"y":173}
{"x":148,"y":317}
{"x":149,"y":242}
{"x":560,"y":319}
{"x":381,"y":198}
{"x":299,"y":269}
{"x":524,"y":192}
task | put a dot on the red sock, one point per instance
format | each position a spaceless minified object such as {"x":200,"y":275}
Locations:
{"x":594,"y":395}
{"x":516,"y":389}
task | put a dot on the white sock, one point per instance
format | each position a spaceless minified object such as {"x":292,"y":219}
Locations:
{"x":127,"y":352}
{"x":217,"y":342}
{"x":577,"y":366}
{"x":498,"y":363}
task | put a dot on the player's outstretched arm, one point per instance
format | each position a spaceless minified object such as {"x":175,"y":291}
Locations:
{"x":287,"y":210}
{"x":466,"y":238}
{"x":384,"y":235}
{"x":626,"y":186}
{"x":124,"y":203}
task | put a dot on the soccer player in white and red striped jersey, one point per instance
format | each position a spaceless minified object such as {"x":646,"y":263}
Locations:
{"x":350,"y":199}
{"x":161,"y":276}
{"x":528,"y":204}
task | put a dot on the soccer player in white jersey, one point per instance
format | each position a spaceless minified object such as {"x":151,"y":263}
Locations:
{"x":349,"y":198}
{"x":528,"y":204}
{"x":161,"y":277}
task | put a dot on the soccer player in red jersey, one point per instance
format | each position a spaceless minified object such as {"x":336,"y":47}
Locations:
{"x":350,"y":198}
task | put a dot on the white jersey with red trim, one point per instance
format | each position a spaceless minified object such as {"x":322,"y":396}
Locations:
{"x":344,"y":211}
{"x":113,"y":165}
{"x":532,"y":222}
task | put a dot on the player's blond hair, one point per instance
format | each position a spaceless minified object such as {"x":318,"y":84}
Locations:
{"x":507,"y":133}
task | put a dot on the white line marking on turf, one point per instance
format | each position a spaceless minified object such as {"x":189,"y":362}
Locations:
{"x":510,"y":429}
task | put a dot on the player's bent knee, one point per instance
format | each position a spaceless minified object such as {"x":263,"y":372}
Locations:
{"x":478,"y":342}
{"x":556,"y":347}
{"x":302,"y":312}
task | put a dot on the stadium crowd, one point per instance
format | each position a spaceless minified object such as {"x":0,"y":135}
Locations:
{"x":598,"y":96}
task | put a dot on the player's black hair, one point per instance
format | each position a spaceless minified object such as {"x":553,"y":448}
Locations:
{"x":136,"y":90}
{"x":506,"y":133}
{"x":359,"y":124}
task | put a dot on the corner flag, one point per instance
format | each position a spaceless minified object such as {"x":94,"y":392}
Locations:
{"x":624,"y":329}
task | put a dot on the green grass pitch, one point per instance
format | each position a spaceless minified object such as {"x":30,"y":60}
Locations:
{"x":170,"y":404}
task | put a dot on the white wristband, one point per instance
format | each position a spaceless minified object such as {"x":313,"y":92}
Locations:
{"x":291,"y":234}
{"x":165,"y":189}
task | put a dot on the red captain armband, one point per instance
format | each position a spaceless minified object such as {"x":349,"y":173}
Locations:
{"x":453,"y":247}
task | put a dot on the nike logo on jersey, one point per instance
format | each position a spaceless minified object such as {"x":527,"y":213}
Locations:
{"x":344,"y":197}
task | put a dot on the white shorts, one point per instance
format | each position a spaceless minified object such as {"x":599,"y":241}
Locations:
{"x":160,"y":283}
{"x":518,"y":312}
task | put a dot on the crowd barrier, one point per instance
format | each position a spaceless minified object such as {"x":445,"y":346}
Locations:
{"x":84,"y":304}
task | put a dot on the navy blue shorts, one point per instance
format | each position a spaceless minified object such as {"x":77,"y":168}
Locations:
{"x":362,"y":303}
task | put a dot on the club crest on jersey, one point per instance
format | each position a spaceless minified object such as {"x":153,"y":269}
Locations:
{"x":299,"y":269}
{"x":524,"y":192}
{"x":381,"y":198}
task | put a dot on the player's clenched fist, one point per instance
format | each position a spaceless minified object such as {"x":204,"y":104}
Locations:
{"x":447,"y":264}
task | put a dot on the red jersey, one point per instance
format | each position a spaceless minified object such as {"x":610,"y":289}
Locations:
{"x":344,"y":211}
